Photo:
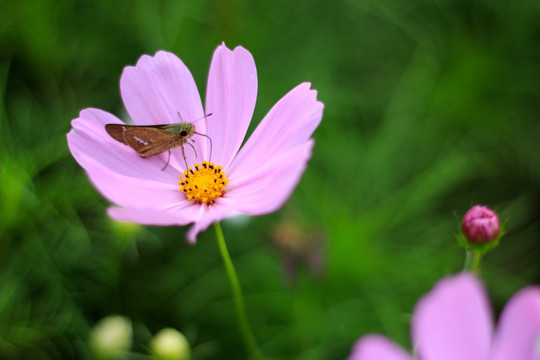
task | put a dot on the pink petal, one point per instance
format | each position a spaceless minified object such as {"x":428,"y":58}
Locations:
{"x":269,"y":186}
{"x":134,"y":192}
{"x":453,"y":321}
{"x":116,"y":170}
{"x":289,"y":123}
{"x":88,"y":141}
{"x":376,"y":347}
{"x":179,"y":214}
{"x":230,"y":97}
{"x":159,"y":87}
{"x":518,"y":332}
{"x":157,"y":90}
{"x":207,"y":216}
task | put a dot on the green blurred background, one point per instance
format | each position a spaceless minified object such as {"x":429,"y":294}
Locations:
{"x":430,"y":107}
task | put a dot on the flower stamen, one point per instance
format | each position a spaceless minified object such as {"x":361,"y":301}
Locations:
{"x":203,"y":183}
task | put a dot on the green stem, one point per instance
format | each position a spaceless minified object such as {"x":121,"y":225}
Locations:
{"x":249,"y":339}
{"x":472,"y":261}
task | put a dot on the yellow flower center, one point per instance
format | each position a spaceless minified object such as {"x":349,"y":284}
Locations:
{"x":204,"y":183}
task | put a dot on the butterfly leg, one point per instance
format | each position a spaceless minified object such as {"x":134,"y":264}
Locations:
{"x":184,"y":155}
{"x":167,"y":160}
{"x":195,"y":151}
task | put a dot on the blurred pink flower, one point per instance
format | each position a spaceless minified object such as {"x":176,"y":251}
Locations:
{"x":257,"y":179}
{"x":480,"y":224}
{"x":453,"y":321}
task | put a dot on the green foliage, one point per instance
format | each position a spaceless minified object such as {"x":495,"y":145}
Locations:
{"x":430,"y":107}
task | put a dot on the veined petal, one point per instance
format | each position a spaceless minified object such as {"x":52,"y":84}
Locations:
{"x":133,"y":192}
{"x":270,"y":185}
{"x":115,"y":169}
{"x":230,"y":97}
{"x":208,"y":215}
{"x":179,"y":214}
{"x":376,"y":347}
{"x":518,"y":332}
{"x":161,"y":90}
{"x":453,"y":321}
{"x":159,"y":87}
{"x":289,"y":123}
{"x":89,"y":142}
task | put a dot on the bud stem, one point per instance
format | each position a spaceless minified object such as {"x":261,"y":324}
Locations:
{"x":249,"y":340}
{"x":472,"y":261}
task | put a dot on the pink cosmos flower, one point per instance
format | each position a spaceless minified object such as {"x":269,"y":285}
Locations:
{"x":254,"y":180}
{"x":453,"y":321}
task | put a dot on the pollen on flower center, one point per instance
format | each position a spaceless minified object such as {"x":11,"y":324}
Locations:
{"x":203,"y":183}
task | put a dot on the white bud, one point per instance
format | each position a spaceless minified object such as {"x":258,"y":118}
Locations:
{"x":111,"y":337}
{"x":169,"y":344}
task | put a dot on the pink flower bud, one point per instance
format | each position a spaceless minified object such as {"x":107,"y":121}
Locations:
{"x":480,"y":225}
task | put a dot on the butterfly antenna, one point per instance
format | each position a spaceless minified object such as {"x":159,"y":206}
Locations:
{"x":180,"y":116}
{"x":204,"y":117}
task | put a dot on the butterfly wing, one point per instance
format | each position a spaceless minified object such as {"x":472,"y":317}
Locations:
{"x":145,"y":140}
